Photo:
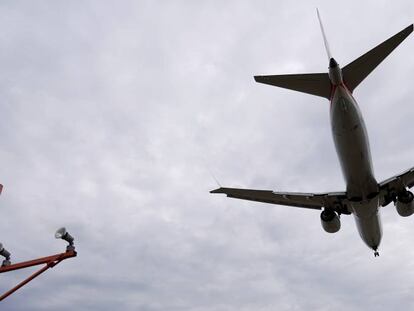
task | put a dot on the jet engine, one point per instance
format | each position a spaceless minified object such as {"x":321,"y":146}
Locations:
{"x":330,"y":221}
{"x":405,"y":204}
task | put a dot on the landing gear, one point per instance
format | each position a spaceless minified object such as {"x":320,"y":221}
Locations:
{"x":376,"y":254}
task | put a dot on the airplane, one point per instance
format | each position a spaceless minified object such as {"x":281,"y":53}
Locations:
{"x":364,"y":195}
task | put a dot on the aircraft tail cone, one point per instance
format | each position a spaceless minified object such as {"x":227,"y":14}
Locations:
{"x":332,"y":63}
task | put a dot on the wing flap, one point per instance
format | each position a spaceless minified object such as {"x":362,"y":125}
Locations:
{"x":390,"y":187}
{"x":405,"y":179}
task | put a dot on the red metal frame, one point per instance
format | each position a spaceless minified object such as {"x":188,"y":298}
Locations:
{"x":49,"y":262}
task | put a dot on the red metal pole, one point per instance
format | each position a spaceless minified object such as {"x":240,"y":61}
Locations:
{"x":8,"y":293}
{"x":50,"y":262}
{"x":38,"y":261}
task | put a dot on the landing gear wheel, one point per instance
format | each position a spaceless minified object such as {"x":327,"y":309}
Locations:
{"x":376,"y":254}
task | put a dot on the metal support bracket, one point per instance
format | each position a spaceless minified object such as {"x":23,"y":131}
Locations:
{"x":49,"y":262}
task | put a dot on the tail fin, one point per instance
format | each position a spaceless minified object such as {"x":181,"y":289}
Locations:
{"x":355,"y":72}
{"x":317,"y":84}
{"x":312,"y":83}
{"x":325,"y":40}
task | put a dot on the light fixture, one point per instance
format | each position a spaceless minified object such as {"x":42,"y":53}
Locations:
{"x":48,"y":262}
{"x":64,"y":235}
{"x":6,"y":254}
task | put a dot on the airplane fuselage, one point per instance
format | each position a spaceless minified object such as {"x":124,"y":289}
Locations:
{"x":352,"y":146}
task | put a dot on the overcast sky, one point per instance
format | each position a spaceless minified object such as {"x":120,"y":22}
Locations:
{"x":114,"y":113}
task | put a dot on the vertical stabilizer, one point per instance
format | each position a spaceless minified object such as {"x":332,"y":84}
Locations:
{"x":325,"y":40}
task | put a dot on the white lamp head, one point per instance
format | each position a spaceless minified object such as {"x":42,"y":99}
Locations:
{"x":62,"y":233}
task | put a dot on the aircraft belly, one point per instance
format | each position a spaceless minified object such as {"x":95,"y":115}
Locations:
{"x":368,"y":222}
{"x":351,"y":142}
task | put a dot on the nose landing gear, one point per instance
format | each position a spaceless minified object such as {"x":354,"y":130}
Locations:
{"x":376,"y":254}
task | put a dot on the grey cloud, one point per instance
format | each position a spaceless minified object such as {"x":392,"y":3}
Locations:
{"x":113,"y":114}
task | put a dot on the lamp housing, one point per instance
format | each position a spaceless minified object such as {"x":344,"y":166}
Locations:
{"x":63,"y":234}
{"x":6,"y":254}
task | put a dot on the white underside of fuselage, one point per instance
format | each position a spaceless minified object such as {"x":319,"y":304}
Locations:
{"x":352,"y":146}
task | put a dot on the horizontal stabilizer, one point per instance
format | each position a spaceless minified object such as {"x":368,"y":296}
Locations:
{"x":312,"y":83}
{"x":355,"y":72}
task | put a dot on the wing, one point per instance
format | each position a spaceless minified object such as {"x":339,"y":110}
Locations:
{"x":390,"y":187}
{"x":334,"y":200}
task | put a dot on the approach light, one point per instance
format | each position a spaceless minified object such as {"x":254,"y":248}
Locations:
{"x":64,"y":235}
{"x":6,"y":254}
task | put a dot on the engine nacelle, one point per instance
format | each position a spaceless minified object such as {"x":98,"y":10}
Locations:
{"x":330,"y":221}
{"x":405,"y":204}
